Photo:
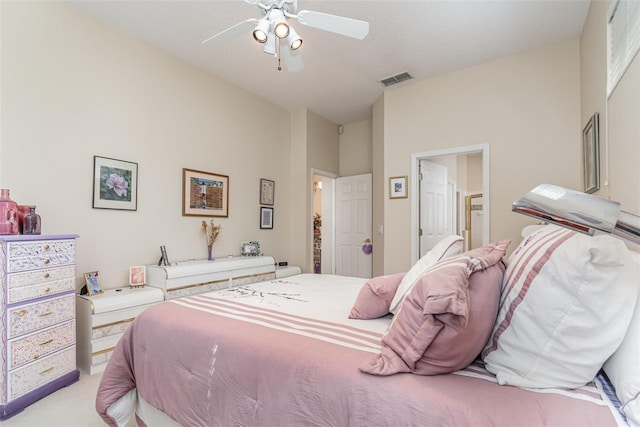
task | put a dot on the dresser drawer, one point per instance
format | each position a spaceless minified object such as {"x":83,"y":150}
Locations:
{"x":30,"y":317}
{"x":40,"y":344}
{"x":38,"y":290}
{"x":29,"y":377}
{"x":22,"y":256}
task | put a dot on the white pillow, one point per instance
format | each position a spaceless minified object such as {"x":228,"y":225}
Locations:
{"x":450,"y":245}
{"x":566,"y":304}
{"x":623,"y":367}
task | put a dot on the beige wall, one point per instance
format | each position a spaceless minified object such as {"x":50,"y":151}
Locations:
{"x":619,"y":115}
{"x":356,"y":155}
{"x":524,"y":106}
{"x":73,"y":88}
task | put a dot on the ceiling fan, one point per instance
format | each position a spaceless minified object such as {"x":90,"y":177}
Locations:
{"x":279,"y":38}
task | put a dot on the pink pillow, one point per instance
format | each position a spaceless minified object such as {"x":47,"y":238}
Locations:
{"x":443,"y":323}
{"x":375,"y":297}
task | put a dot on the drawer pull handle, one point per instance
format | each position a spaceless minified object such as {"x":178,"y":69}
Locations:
{"x":47,"y":261}
{"x":46,"y":370}
{"x":46,"y":275}
{"x":22,"y":313}
{"x":36,"y":356}
{"x":46,"y":247}
{"x":48,"y":313}
{"x":46,"y":342}
{"x":47,"y":290}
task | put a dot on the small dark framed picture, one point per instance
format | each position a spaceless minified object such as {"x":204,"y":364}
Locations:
{"x":93,"y":282}
{"x":266,"y":218}
{"x":267,"y":191}
{"x":591,"y":156}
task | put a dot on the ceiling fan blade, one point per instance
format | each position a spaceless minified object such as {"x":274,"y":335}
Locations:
{"x":335,"y":24}
{"x":230,"y":33}
{"x":292,"y":58}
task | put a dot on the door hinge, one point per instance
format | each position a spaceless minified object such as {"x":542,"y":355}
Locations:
{"x":420,"y":233}
{"x":420,"y":176}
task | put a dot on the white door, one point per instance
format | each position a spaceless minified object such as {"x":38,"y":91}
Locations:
{"x":353,"y":197}
{"x":434,"y":217}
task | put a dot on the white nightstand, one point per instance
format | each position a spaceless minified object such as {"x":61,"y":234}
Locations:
{"x":286,"y":271}
{"x":102,"y":319}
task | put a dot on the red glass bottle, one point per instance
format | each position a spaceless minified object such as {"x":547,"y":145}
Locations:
{"x":8,"y":213}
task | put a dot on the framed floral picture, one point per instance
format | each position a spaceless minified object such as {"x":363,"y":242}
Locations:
{"x":115,"y":184}
{"x":137,"y":276}
{"x":204,"y":193}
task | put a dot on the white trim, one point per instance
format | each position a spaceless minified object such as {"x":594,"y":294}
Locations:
{"x":415,"y":196}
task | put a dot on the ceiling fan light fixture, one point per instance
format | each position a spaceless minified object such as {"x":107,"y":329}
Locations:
{"x":280,"y":26}
{"x":294,"y":40}
{"x":261,"y":31}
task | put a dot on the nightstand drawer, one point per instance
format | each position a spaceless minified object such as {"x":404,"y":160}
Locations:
{"x":24,"y":256}
{"x":22,"y":380}
{"x":42,"y":343}
{"x":30,"y":317}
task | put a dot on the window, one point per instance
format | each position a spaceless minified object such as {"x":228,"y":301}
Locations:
{"x":623,"y":34}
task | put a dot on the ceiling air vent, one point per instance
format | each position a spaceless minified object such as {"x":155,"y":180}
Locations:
{"x":396,"y":79}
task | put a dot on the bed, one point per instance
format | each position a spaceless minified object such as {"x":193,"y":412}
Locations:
{"x":285,"y":352}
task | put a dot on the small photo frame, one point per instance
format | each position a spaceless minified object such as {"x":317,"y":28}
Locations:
{"x":591,"y":156}
{"x":249,"y":249}
{"x":204,"y":193}
{"x":398,"y":187}
{"x":267,"y":191}
{"x":93,"y":282}
{"x":115,"y":184}
{"x":266,"y":218}
{"x":137,"y":276}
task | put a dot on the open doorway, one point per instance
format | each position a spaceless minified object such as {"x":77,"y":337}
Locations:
{"x":442,"y":210}
{"x":323,"y":222}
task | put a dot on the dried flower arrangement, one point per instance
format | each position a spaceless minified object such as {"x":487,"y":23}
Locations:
{"x":211,"y":233}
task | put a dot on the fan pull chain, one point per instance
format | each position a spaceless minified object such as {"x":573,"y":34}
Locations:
{"x":278,"y":49}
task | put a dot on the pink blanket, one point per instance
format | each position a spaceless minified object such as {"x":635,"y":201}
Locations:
{"x":209,"y":361}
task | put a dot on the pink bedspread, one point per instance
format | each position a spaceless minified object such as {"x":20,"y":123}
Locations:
{"x":206,"y":361}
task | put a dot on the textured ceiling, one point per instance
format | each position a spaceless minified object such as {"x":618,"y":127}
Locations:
{"x":340,"y":80}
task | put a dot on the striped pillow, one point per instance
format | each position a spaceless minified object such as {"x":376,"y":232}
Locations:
{"x":567,"y":300}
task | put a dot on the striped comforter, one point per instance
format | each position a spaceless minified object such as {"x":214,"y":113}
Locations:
{"x":284,"y":353}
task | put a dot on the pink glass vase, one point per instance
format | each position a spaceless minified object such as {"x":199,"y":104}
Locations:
{"x":8,"y":213}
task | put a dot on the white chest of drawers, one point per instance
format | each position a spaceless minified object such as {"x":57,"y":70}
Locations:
{"x":194,"y":277}
{"x":103,"y":318}
{"x":38,"y":322}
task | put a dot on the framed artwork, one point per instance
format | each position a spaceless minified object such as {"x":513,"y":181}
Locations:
{"x":94,"y":285}
{"x":137,"y":276}
{"x":591,"y":156}
{"x":204,"y":193}
{"x":115,"y":184}
{"x":266,"y":218}
{"x":267,"y":191}
{"x":249,"y":249}
{"x":398,"y":187}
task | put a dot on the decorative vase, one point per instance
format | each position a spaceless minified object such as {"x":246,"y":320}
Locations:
{"x":31,"y":222}
{"x":8,"y":213}
{"x":22,"y":211}
{"x":209,"y":255}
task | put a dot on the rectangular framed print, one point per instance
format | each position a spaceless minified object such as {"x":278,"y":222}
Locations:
{"x":204,"y":193}
{"x":93,"y":282}
{"x":137,"y":276}
{"x":591,"y":156}
{"x":267,"y":191}
{"x":115,"y":184}
{"x":398,"y":187}
{"x":266,"y":218}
